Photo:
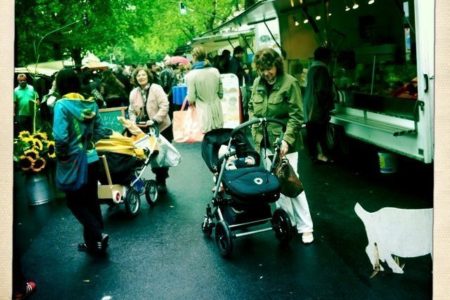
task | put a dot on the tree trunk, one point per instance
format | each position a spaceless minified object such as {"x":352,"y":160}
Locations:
{"x":75,"y":53}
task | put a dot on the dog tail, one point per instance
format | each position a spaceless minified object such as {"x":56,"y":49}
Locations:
{"x":360,"y":211}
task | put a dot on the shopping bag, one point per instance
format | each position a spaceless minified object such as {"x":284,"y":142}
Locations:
{"x":187,"y":125}
{"x":72,"y":173}
{"x":168,"y":155}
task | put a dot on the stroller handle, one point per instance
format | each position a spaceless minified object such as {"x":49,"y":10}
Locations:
{"x":256,"y":120}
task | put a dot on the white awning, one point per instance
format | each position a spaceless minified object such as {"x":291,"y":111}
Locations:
{"x":48,"y":68}
{"x":213,"y":42}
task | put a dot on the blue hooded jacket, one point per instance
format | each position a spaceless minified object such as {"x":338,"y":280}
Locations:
{"x":76,"y":121}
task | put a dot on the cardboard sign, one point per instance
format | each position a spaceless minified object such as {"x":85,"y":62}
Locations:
{"x":231,"y":103}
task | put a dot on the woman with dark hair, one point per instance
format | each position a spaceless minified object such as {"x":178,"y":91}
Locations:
{"x":149,"y":106}
{"x":276,"y":94}
{"x":204,"y":90}
{"x":76,"y":127}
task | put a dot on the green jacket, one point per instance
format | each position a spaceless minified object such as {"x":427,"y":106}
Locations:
{"x":283,"y":103}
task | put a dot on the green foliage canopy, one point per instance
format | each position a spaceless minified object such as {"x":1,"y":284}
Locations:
{"x":121,"y":31}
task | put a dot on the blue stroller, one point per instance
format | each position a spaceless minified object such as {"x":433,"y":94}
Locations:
{"x":243,"y":190}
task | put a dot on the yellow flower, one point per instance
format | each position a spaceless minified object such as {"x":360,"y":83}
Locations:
{"x":25,"y":162}
{"x":29,"y":141}
{"x":24,"y":134}
{"x":51,"y":149}
{"x":38,"y":165}
{"x":42,"y":136}
{"x":38,"y":144}
{"x":33,"y":154}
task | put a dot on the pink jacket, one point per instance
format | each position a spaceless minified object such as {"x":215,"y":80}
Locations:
{"x":157,"y":106}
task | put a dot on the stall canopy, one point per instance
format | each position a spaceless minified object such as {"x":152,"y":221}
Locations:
{"x":91,"y":61}
{"x":49,"y":68}
{"x":239,"y":29}
{"x":264,"y":11}
{"x":45,"y":68}
{"x":212,"y":42}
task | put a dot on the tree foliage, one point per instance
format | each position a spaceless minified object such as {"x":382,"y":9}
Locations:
{"x":128,"y":31}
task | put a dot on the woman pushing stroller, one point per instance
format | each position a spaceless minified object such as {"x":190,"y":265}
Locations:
{"x":276,"y":94}
{"x":149,"y":106}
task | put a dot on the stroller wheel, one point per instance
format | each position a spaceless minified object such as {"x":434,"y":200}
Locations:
{"x":281,"y":224}
{"x":207,"y":226}
{"x":223,"y":239}
{"x":132,"y":203}
{"x":151,"y":192}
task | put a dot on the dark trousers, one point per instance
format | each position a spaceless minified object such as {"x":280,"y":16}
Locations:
{"x":85,"y":207}
{"x":316,"y":134}
{"x":25,"y":123}
{"x":161,"y":174}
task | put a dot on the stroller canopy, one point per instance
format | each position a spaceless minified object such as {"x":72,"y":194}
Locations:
{"x":216,"y":138}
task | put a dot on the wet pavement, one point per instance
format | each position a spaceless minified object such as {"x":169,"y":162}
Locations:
{"x":162,"y":253}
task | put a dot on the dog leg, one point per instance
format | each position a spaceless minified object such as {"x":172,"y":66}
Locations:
{"x":377,"y":267}
{"x":393,"y":265}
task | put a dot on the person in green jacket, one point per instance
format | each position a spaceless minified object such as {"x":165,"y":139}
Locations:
{"x":276,"y":94}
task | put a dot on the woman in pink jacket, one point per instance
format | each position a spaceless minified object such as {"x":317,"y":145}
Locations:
{"x":149,"y":106}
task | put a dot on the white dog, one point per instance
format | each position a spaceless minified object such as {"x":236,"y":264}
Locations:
{"x":394,"y":231}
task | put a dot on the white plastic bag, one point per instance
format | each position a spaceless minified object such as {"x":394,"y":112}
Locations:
{"x":168,"y":155}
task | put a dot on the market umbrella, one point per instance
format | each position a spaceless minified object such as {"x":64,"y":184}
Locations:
{"x":179,"y":60}
{"x":96,"y":65}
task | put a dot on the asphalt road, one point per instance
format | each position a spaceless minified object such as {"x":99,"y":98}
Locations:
{"x":162,"y":253}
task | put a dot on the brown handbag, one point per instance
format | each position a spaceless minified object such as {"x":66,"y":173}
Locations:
{"x":291,"y":186}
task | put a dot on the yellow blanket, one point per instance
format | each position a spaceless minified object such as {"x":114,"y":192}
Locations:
{"x":133,"y":146}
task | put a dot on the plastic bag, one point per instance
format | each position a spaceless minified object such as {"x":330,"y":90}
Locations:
{"x":168,"y":155}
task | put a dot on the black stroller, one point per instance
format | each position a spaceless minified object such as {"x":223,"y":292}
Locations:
{"x":243,"y":190}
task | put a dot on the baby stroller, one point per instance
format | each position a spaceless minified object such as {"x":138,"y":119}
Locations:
{"x":243,"y":190}
{"x":124,"y":161}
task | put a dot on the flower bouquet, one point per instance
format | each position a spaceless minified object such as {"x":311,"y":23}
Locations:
{"x":33,"y":152}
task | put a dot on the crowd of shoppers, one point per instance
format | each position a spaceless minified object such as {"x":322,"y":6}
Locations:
{"x":75,"y":97}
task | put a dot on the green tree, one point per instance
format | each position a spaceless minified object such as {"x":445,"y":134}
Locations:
{"x":127,"y":31}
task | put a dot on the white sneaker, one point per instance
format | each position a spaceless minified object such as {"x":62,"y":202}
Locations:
{"x":307,"y":237}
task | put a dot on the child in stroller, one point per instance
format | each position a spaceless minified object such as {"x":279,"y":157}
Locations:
{"x":124,"y":160}
{"x":243,"y":189}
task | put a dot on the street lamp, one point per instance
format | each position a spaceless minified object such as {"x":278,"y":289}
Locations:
{"x":36,"y":49}
{"x":183,"y":9}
